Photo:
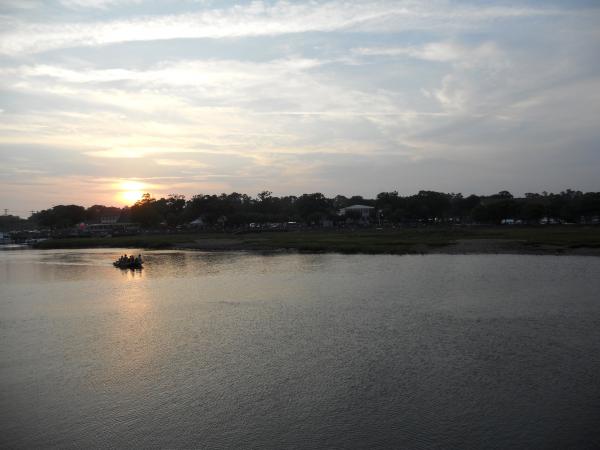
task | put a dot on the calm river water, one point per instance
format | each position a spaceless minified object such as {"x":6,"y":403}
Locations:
{"x":235,"y":350}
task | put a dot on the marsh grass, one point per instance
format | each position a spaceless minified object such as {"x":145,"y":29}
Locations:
{"x":402,"y":240}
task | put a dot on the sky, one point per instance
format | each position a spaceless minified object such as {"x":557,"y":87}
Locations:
{"x":101,"y":100}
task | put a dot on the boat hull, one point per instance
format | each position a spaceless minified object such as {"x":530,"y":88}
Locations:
{"x":125,"y":266}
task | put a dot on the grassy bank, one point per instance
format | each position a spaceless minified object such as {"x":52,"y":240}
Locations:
{"x":139,"y":241}
{"x":550,"y":239}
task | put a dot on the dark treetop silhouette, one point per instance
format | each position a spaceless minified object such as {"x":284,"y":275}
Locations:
{"x":235,"y":209}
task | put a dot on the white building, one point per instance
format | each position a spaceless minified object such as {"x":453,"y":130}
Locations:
{"x":198,"y":223}
{"x":109,"y":220}
{"x":363,"y":210}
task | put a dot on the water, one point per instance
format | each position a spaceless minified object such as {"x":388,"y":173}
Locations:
{"x":235,"y":350}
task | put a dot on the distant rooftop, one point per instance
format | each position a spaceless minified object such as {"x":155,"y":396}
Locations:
{"x":358,"y":207}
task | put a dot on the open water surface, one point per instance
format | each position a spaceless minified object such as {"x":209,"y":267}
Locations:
{"x":236,"y":350}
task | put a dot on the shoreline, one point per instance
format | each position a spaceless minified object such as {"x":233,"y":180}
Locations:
{"x":490,"y":240}
{"x":466,"y":247}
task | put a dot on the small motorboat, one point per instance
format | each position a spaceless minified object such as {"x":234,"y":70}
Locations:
{"x":126,"y":263}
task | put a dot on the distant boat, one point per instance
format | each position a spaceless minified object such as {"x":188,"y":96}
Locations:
{"x":137,"y":264}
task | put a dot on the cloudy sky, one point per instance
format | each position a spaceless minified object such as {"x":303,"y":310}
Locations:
{"x":102,"y":99}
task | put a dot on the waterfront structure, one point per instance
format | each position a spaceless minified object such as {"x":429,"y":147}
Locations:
{"x":363,"y":210}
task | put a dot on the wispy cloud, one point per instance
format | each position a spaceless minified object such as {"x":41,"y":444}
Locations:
{"x":255,"y":19}
{"x":187,"y":163}
{"x":96,"y":4}
{"x":439,"y":52}
{"x":288,"y":87}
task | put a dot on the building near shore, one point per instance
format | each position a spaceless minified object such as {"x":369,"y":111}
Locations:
{"x":112,"y":229}
{"x":362,"y":211}
{"x":110,"y":219}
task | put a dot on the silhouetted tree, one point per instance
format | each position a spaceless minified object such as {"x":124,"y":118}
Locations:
{"x":313,"y":208}
{"x":235,"y":209}
{"x":60,"y":216}
{"x":145,"y":212}
{"x":11,"y":223}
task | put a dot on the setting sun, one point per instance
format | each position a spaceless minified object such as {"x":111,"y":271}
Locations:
{"x":131,"y":196}
{"x":131,"y":191}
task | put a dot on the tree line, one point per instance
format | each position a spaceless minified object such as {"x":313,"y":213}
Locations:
{"x":237,"y":210}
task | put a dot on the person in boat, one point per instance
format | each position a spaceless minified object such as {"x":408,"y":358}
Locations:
{"x":126,"y":260}
{"x":129,"y":261}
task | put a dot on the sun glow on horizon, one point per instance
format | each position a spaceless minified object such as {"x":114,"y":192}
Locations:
{"x":131,"y":191}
